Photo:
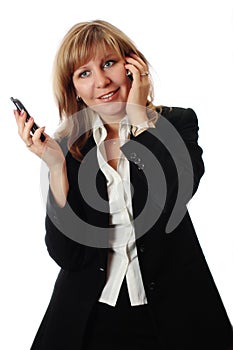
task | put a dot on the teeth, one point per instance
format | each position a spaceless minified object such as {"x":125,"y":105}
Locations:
{"x":108,"y":95}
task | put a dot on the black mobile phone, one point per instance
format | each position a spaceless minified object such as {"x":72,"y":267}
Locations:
{"x":129,"y":75}
{"x":21,"y":107}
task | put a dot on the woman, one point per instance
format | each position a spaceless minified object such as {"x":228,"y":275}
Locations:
{"x":121,"y":172}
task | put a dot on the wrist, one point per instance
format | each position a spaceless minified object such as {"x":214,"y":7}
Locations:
{"x":139,"y":128}
{"x":58,"y":168}
{"x":59,"y":183}
{"x":138,"y":117}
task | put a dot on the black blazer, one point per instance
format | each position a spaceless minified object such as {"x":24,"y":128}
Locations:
{"x":165,"y":169}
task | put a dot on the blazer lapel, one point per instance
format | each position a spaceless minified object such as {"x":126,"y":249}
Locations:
{"x":94,"y":185}
{"x":95,"y":195}
{"x":139,"y":191}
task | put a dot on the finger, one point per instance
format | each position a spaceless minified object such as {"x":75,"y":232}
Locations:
{"x":37,"y":135}
{"x":137,"y":77}
{"x":16,"y":114}
{"x":138,"y":59}
{"x":134,"y":71}
{"x":35,"y":144}
{"x":137,"y":62}
{"x":20,"y":120}
{"x":26,"y":136}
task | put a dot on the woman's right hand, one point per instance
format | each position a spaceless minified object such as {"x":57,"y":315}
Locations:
{"x":49,"y":150}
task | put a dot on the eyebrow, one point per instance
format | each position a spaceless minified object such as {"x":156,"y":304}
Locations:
{"x":104,"y":59}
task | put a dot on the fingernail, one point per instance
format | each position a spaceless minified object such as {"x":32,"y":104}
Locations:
{"x":22,"y":112}
{"x":29,"y":119}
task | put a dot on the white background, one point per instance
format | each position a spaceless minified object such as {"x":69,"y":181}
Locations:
{"x":189,"y":45}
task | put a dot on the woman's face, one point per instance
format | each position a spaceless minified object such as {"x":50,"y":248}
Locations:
{"x":103,"y":85}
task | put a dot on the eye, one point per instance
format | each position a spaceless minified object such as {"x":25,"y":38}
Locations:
{"x":109,"y":63}
{"x":84,"y":74}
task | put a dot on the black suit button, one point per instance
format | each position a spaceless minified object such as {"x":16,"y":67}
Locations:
{"x":141,"y":166}
{"x":137,"y":160}
{"x":142,"y":248}
{"x":152,"y":286}
{"x":133,"y":155}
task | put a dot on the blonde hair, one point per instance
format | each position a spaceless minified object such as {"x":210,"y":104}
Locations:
{"x":78,"y":46}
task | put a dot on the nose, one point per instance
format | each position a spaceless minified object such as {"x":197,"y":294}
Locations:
{"x":101,"y":79}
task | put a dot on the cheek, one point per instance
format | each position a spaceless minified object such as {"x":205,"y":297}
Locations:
{"x":81,"y":89}
{"x":124,"y":80}
{"x":127,"y":83}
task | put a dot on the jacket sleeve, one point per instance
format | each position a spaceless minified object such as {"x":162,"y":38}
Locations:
{"x":65,"y":227}
{"x":75,"y":232}
{"x":64,"y":250}
{"x":171,"y":159}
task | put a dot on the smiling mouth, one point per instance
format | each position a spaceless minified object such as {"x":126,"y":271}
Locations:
{"x":109,"y":95}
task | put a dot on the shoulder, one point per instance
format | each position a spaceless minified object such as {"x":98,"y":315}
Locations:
{"x":184,"y":120}
{"x":179,"y":116}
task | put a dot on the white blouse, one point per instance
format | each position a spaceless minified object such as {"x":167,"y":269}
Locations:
{"x":123,"y":258}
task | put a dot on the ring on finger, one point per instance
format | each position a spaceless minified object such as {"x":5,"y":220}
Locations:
{"x":144,"y":74}
{"x":29,"y":144}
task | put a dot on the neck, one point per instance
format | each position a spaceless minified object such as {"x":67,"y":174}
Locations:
{"x":112,"y":123}
{"x":112,"y":129}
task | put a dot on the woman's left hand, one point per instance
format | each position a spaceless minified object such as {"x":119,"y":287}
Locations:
{"x":138,"y":94}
